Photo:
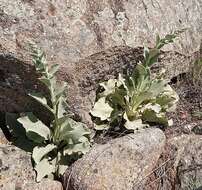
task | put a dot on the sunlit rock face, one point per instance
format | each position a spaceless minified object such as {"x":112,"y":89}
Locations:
{"x":69,"y":30}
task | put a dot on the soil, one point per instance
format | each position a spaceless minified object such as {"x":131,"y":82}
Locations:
{"x":189,"y":104}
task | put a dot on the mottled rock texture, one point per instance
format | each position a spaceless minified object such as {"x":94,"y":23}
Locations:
{"x":120,"y":164}
{"x":69,"y":30}
{"x":76,"y":34}
{"x":189,"y":162}
{"x":16,"y":172}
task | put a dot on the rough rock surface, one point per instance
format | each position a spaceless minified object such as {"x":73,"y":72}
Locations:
{"x":69,"y":30}
{"x":120,"y":164}
{"x":189,"y":162}
{"x":16,"y":172}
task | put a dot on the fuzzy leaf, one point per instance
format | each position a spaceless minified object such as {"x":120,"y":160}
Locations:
{"x":73,"y":130}
{"x":109,"y":86}
{"x":133,"y":125}
{"x":102,"y":109}
{"x":81,"y":147}
{"x":43,"y":169}
{"x":54,"y":68}
{"x":41,"y":99}
{"x":102,"y":127}
{"x":35,"y":129}
{"x":40,"y":151}
{"x":18,"y":133}
{"x":150,"y":115}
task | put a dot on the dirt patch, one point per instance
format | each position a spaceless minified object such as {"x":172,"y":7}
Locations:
{"x":190,"y":102}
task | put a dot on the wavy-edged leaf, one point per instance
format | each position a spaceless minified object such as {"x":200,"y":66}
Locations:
{"x":35,"y":129}
{"x":133,"y":125}
{"x":43,"y":169}
{"x":82,"y":146}
{"x":73,"y":130}
{"x":40,"y":151}
{"x":101,"y":127}
{"x":109,"y":87}
{"x":41,"y":99}
{"x":102,"y":109}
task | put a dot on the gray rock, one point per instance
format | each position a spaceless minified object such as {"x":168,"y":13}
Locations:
{"x":120,"y":164}
{"x":70,"y":30}
{"x":16,"y":171}
{"x":189,"y":162}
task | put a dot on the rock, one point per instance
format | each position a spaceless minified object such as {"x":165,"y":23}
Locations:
{"x":16,"y":171}
{"x":189,"y":162}
{"x":70,"y":30}
{"x":77,"y":35}
{"x":120,"y":164}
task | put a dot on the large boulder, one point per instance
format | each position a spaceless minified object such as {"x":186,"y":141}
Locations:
{"x":77,"y":35}
{"x":16,"y":171}
{"x":120,"y":164}
{"x":69,"y":30}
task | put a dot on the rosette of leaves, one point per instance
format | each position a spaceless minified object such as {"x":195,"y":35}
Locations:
{"x":56,"y":146}
{"x":136,"y":100}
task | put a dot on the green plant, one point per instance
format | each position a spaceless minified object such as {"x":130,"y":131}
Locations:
{"x":136,"y":100}
{"x":56,"y":146}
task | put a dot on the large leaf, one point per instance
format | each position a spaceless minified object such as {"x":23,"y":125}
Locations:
{"x":41,"y":99}
{"x":73,"y":130}
{"x":40,"y":151}
{"x":35,"y":129}
{"x":18,"y":133}
{"x":43,"y":169}
{"x":82,"y":146}
{"x":101,"y":109}
{"x":150,"y":115}
{"x":133,"y":125}
{"x":109,"y":86}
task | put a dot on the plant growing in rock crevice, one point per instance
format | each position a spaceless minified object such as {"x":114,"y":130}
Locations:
{"x":53,"y":147}
{"x":136,"y":100}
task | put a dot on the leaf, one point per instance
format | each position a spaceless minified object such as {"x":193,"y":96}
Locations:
{"x":40,"y":151}
{"x":61,"y":107}
{"x":102,"y":127}
{"x":35,"y":129}
{"x":18,"y":133}
{"x":46,"y":81}
{"x":133,"y":125}
{"x":101,"y":109}
{"x":63,"y":163}
{"x":43,"y":169}
{"x":41,"y":99}
{"x":74,"y":130}
{"x":54,"y":68}
{"x":109,"y":86}
{"x":82,"y":147}
{"x":59,"y":92}
{"x":155,"y":107}
{"x":150,"y":115}
{"x":15,"y":128}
